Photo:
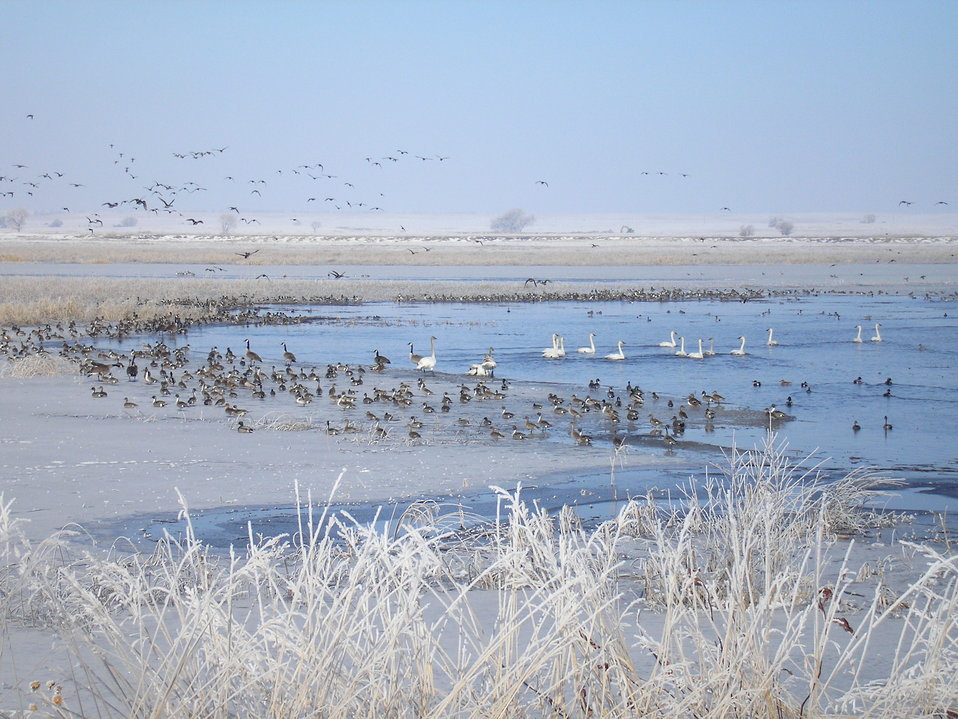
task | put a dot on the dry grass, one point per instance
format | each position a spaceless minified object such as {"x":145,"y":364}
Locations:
{"x":741,"y":606}
{"x":38,"y":365}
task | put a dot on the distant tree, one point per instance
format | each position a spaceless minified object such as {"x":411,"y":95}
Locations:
{"x":16,"y":216}
{"x":868,"y":219}
{"x":746,"y":231}
{"x":57,"y":223}
{"x":227,"y":222}
{"x":514,"y":220}
{"x":127,"y":222}
{"x":773,"y":221}
{"x":785,"y":227}
{"x":316,"y":224}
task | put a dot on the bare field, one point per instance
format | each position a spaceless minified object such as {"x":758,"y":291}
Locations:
{"x":475,"y":249}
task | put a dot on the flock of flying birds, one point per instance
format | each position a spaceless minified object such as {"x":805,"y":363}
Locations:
{"x":320,"y":187}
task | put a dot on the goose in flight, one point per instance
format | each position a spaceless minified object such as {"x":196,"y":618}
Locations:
{"x":246,"y":255}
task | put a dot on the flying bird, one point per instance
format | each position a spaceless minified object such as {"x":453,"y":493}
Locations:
{"x":542,"y":182}
{"x":246,"y":255}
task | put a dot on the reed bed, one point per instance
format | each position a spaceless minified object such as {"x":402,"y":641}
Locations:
{"x":736,"y":604}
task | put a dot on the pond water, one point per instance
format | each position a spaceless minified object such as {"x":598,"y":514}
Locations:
{"x":908,"y":377}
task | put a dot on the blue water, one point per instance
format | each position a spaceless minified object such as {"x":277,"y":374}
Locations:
{"x":815,"y":347}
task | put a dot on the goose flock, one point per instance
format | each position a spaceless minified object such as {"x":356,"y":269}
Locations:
{"x":364,"y":399}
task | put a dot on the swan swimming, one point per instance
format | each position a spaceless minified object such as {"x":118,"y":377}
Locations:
{"x":858,"y":337}
{"x":877,"y":337}
{"x":771,"y":338}
{"x":682,"y":352}
{"x":590,"y":350}
{"x":710,"y":352}
{"x":620,"y":355}
{"x":557,"y":350}
{"x":740,"y":352}
{"x":697,"y":355}
{"x":670,"y":343}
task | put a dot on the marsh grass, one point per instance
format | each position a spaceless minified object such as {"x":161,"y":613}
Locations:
{"x":41,"y":364}
{"x":737,"y":602}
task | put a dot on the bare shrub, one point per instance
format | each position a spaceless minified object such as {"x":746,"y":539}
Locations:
{"x":127,"y":222}
{"x":746,"y":231}
{"x":785,"y":227}
{"x":514,"y":220}
{"x":227,"y":222}
{"x":868,"y":219}
{"x":56,"y":223}
{"x":16,"y":216}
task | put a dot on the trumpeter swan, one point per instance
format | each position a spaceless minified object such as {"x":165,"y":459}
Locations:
{"x":740,"y":352}
{"x":670,"y":343}
{"x":561,"y":346}
{"x":590,"y":350}
{"x":858,"y":337}
{"x":620,"y":355}
{"x":877,"y":337}
{"x":697,"y":355}
{"x":489,"y":363}
{"x":710,"y":352}
{"x":682,"y":352}
{"x":552,"y":352}
{"x":771,"y":338}
{"x":428,"y":362}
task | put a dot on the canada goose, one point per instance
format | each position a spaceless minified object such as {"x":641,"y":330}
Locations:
{"x":379,"y":359}
{"x":413,"y":357}
{"x":251,"y":355}
{"x":288,"y":356}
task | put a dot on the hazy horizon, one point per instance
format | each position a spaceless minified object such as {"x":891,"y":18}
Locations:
{"x":473,"y":108}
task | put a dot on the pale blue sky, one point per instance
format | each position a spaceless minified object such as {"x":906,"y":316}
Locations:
{"x":766,"y":106}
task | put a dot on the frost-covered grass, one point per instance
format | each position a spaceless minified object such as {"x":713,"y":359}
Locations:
{"x":740,"y":603}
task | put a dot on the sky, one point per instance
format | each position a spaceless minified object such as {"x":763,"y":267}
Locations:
{"x":676,"y":107}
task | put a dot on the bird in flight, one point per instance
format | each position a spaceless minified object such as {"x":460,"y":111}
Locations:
{"x":542,"y":182}
{"x":195,"y":222}
{"x":903,"y":202}
{"x":246,"y":255}
{"x":337,"y":275}
{"x":726,"y":209}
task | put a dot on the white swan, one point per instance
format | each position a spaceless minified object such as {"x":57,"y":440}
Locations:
{"x":740,"y":352}
{"x":670,"y":343}
{"x":858,"y":337}
{"x":561,"y":346}
{"x":552,"y":352}
{"x":771,"y":338}
{"x":590,"y":350}
{"x":489,"y":363}
{"x":682,"y":352}
{"x":620,"y":355}
{"x":428,"y":362}
{"x":710,"y":352}
{"x":697,"y":355}
{"x":877,"y":337}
